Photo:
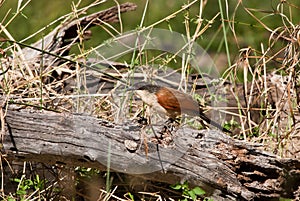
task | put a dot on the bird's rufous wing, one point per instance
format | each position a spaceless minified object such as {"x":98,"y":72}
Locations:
{"x":179,"y":102}
{"x":176,"y":103}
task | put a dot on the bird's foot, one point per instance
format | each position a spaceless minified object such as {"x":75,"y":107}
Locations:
{"x":171,"y":124}
{"x":142,"y":120}
{"x":172,"y":121}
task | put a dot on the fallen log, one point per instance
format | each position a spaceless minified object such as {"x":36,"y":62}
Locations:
{"x":230,"y":168}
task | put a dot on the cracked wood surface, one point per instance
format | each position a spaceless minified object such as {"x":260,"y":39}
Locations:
{"x":205,"y":158}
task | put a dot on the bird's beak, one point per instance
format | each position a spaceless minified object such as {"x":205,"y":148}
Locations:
{"x":130,"y":89}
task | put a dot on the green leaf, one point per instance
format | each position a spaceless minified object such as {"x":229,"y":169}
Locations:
{"x":131,"y":196}
{"x":176,"y":186}
{"x":21,"y":192}
{"x":192,"y":195}
{"x":17,"y":180}
{"x":11,"y":199}
{"x":185,"y":185}
{"x":285,"y":199}
{"x":37,"y":178}
{"x":28,"y":183}
{"x":198,"y":191}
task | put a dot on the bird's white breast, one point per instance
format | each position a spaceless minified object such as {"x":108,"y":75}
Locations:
{"x":151,"y":100}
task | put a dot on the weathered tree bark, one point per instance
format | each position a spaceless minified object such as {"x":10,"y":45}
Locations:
{"x":205,"y":158}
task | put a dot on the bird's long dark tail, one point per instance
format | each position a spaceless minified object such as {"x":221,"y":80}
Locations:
{"x":213,"y":123}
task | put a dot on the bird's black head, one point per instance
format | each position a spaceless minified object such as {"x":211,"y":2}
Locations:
{"x":150,"y":88}
{"x":145,"y":86}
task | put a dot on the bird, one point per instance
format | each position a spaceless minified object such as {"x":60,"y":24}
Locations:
{"x":171,"y":102}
